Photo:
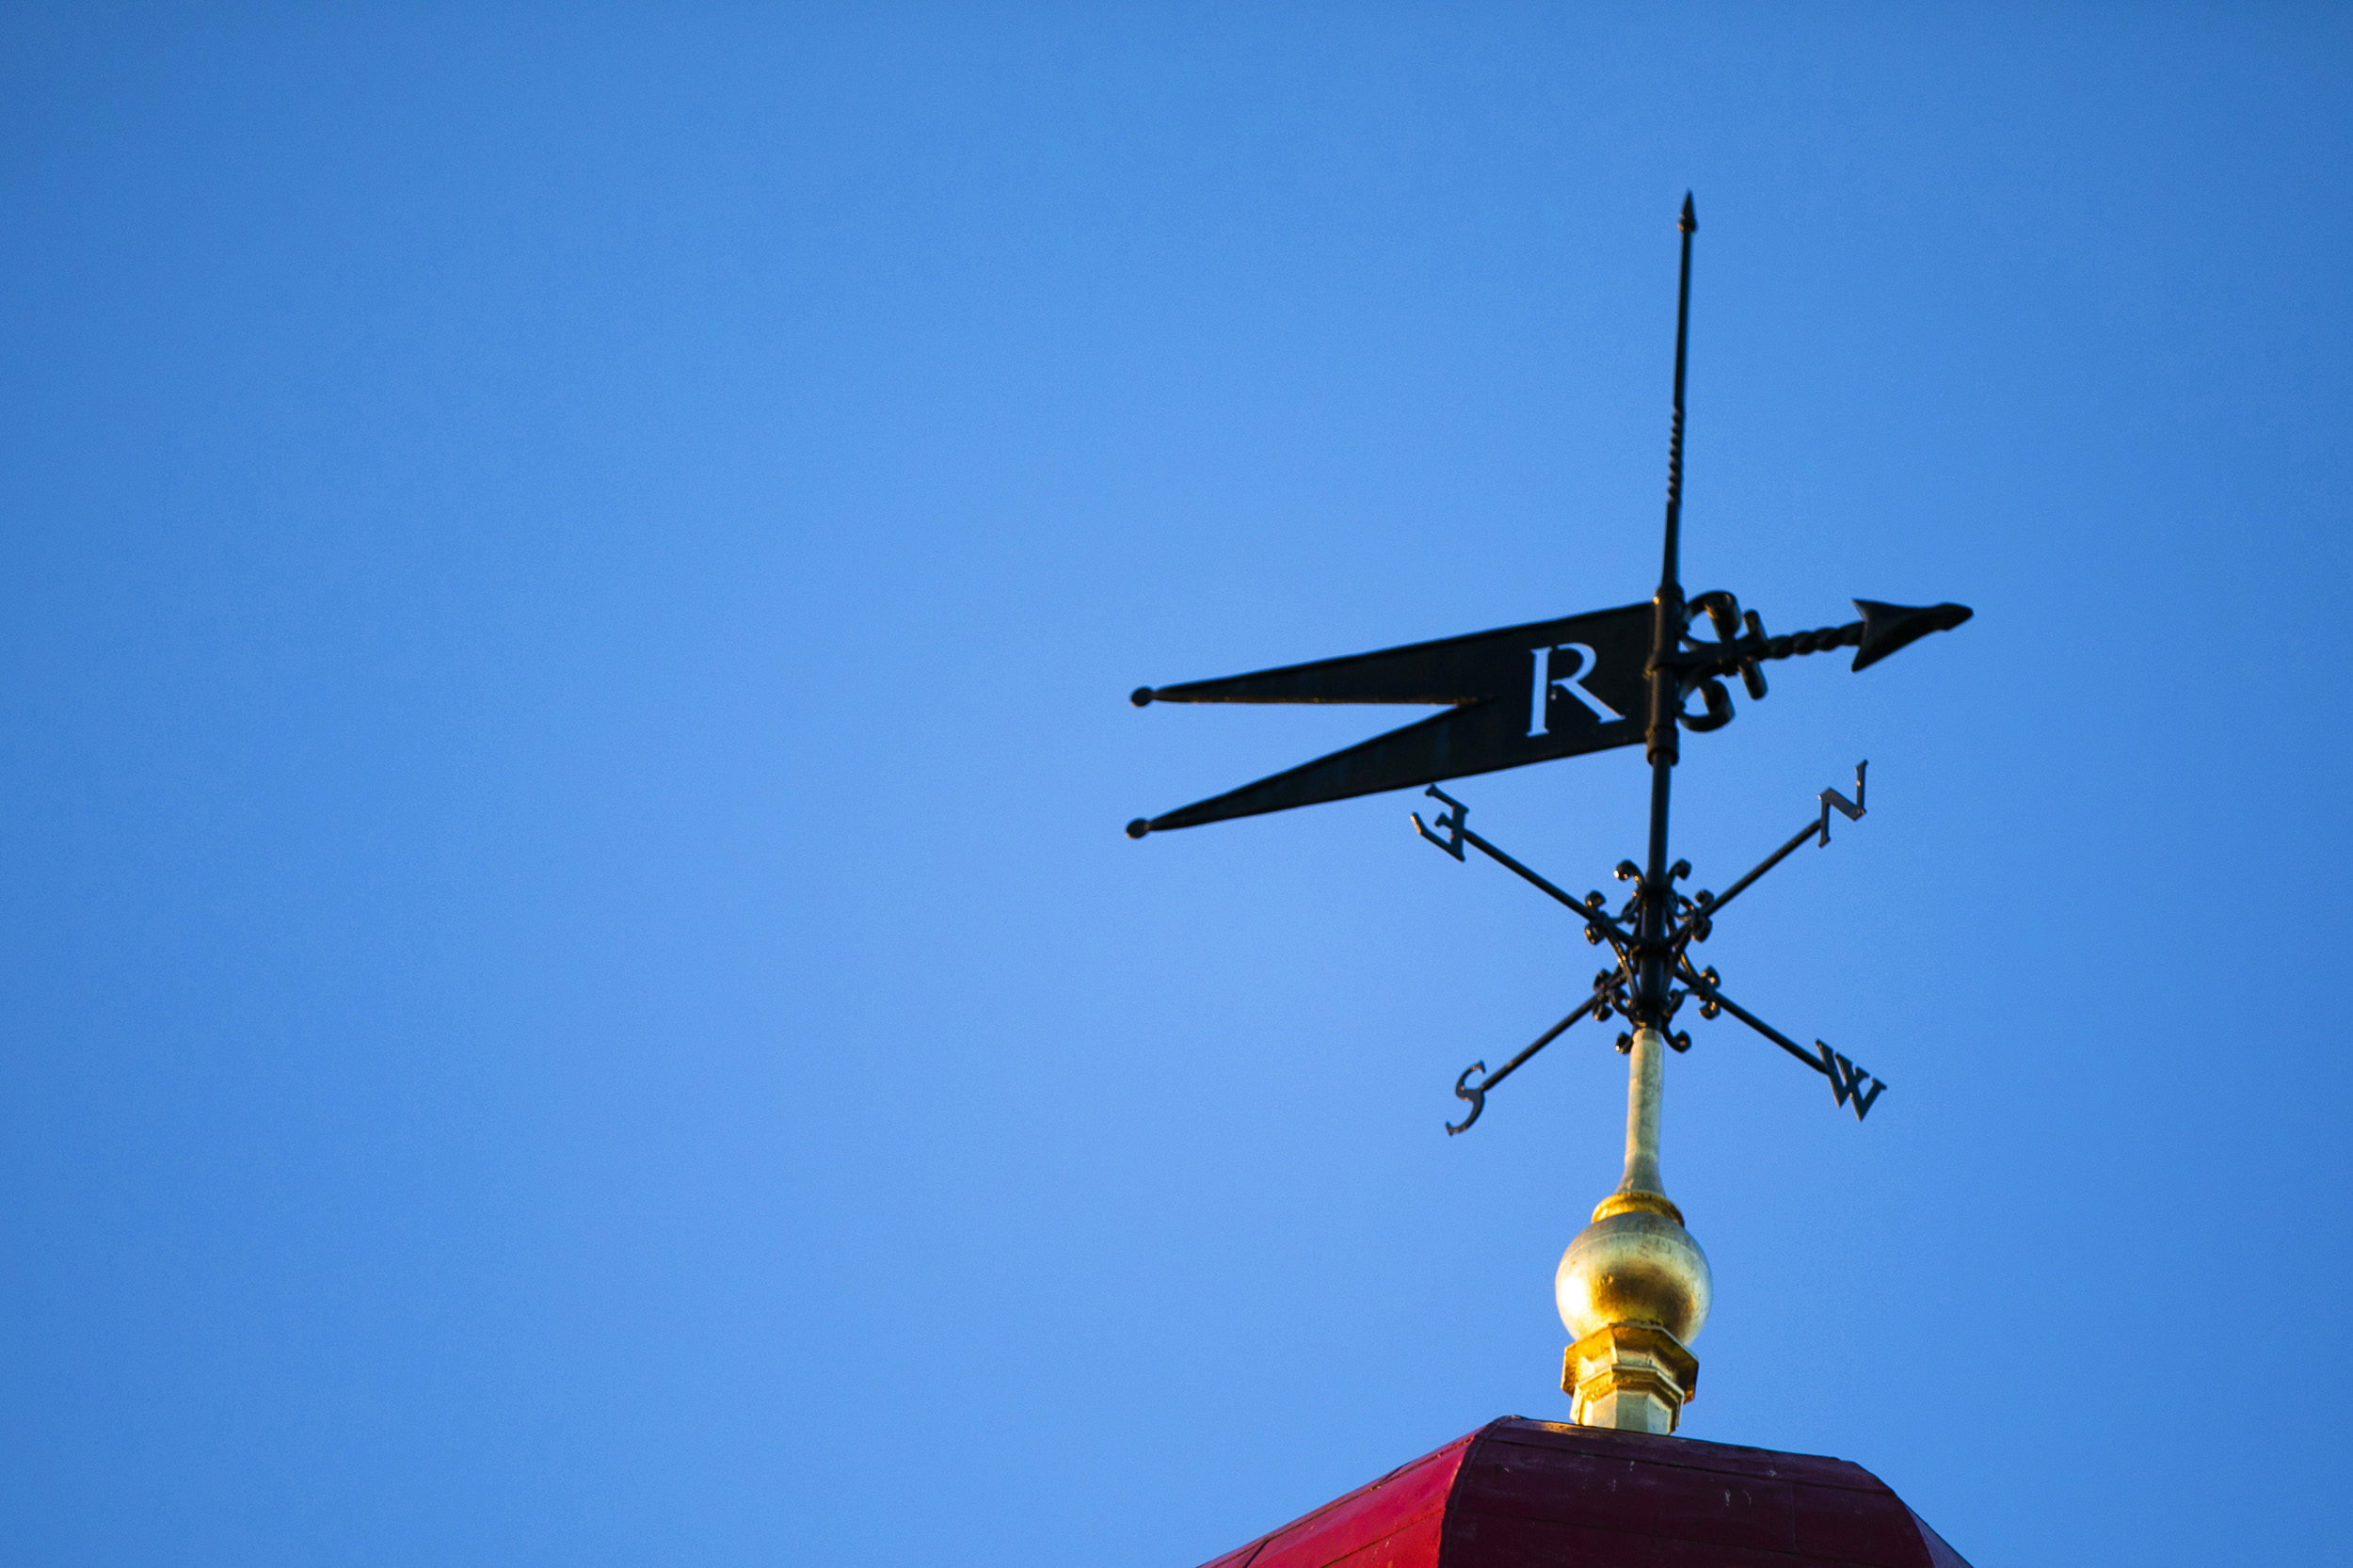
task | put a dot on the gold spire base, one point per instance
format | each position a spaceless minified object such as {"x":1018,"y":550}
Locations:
{"x":1629,"y":1376}
{"x":1634,"y":1287}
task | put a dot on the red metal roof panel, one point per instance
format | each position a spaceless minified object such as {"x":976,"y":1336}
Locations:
{"x":1392,"y":1522}
{"x":1519,"y":1494}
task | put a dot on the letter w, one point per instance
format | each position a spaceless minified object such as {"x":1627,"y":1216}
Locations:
{"x":1846,"y":1080}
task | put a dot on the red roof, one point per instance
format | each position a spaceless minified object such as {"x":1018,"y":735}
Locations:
{"x":1518,"y":1493}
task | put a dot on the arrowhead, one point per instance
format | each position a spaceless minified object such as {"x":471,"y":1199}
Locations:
{"x":1691,"y":222}
{"x":1889,"y":627}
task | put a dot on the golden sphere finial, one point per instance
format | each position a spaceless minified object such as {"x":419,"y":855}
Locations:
{"x":1634,"y":1264}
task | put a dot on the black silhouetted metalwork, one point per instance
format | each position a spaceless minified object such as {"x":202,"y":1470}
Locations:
{"x":1690,"y":919}
{"x":1561,"y":688}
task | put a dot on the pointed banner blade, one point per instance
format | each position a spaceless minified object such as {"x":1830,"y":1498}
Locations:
{"x":1889,"y":627}
{"x":1481,"y":667}
{"x":1522,"y":694}
{"x":1479,"y":737}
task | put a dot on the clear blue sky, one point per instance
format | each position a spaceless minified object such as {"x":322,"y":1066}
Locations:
{"x":571,"y":986}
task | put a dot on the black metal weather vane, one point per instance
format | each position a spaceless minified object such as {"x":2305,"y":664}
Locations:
{"x":1561,"y":688}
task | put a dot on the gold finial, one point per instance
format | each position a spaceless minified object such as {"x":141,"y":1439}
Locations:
{"x":1633,"y":1287}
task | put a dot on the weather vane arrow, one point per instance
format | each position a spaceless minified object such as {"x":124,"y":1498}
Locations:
{"x":1519,"y":694}
{"x":1561,"y":688}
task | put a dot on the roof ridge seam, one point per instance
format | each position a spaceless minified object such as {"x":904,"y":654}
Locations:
{"x":1875,"y":1485}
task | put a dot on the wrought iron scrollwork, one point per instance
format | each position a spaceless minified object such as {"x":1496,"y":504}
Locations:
{"x":1617,"y":992}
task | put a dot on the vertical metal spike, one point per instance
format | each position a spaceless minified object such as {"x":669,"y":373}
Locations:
{"x":1666,"y":688}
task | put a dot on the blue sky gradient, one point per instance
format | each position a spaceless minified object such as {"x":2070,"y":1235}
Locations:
{"x":572,"y":991}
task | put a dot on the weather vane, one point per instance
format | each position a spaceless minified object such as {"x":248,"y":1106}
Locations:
{"x":1561,"y":688}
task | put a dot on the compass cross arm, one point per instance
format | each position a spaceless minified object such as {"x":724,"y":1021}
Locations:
{"x":1599,"y":926}
{"x":1847,"y":1078}
{"x":1476,"y":1094}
